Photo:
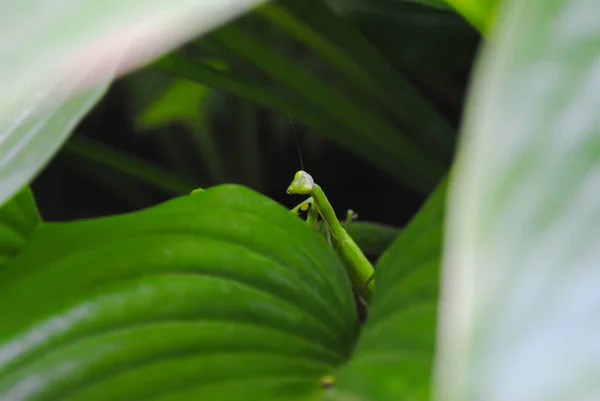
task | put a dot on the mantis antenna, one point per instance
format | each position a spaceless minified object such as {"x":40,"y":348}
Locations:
{"x":360,"y":270}
{"x":297,"y":142}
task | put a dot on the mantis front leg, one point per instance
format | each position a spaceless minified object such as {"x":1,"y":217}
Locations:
{"x":312,"y":216}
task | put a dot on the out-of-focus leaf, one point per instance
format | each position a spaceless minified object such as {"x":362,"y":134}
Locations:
{"x":63,"y":37}
{"x":480,"y":13}
{"x":520,"y":290}
{"x":181,"y":101}
{"x":18,"y":218}
{"x":95,"y":152}
{"x":299,"y":29}
{"x":393,"y":359}
{"x":421,"y":174}
{"x":57,"y":59}
{"x":372,"y":238}
{"x":223,"y":294}
{"x":417,"y":114}
{"x":384,"y":8}
{"x":374,"y":129}
{"x":30,"y":137}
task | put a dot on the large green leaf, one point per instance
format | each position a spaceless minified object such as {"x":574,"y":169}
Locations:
{"x":31,"y":136}
{"x":65,"y":38}
{"x":520,"y":290}
{"x":57,"y":61}
{"x":223,"y":294}
{"x":394,"y":357}
{"x":18,"y":218}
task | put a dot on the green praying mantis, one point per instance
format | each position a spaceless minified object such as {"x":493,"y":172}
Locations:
{"x":359,"y":269}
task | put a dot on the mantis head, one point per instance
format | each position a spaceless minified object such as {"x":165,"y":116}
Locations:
{"x":302,"y":185}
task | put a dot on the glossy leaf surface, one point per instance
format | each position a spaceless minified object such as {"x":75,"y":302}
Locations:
{"x":222,"y":294}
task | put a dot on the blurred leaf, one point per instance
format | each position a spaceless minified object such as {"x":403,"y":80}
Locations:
{"x":63,"y":38}
{"x":128,"y":164}
{"x":121,"y":187}
{"x":30,"y":138}
{"x":181,"y":66}
{"x":181,"y":101}
{"x":374,"y":129}
{"x":300,"y":29}
{"x":418,"y":116}
{"x":521,"y":300}
{"x":384,"y":8}
{"x":143,"y":87}
{"x":57,"y":61}
{"x":373,"y":137}
{"x":247,"y":154}
{"x":480,"y":13}
{"x":434,"y":47}
{"x":278,"y":15}
{"x":18,"y":218}
{"x":222,"y":294}
{"x":394,"y":356}
{"x":373,"y":238}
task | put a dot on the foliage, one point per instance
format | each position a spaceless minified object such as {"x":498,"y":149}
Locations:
{"x":226,"y":294}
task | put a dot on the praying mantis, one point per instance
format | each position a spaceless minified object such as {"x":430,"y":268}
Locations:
{"x":359,"y":269}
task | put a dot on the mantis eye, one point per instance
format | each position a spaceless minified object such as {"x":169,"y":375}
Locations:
{"x":303,"y":184}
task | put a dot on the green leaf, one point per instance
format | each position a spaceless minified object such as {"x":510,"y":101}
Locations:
{"x":18,"y":218}
{"x":181,"y":66}
{"x":373,"y":87}
{"x":520,"y":287}
{"x":181,"y":101}
{"x":223,"y":294}
{"x":373,"y":129}
{"x":393,"y":359}
{"x":341,"y":44}
{"x":372,"y":238}
{"x":479,"y":13}
{"x":64,"y":38}
{"x":381,"y":7}
{"x":35,"y":132}
{"x":71,"y":54}
{"x":184,"y":102}
{"x":127,"y":164}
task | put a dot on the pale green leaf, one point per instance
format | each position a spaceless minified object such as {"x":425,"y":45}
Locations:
{"x":520,"y":303}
